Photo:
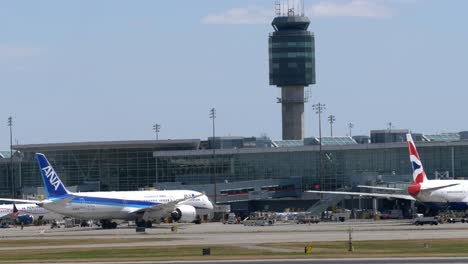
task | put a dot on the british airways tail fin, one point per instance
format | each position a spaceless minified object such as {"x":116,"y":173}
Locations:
{"x":419,"y":175}
{"x":52,"y":183}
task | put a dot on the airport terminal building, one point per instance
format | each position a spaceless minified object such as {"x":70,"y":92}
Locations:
{"x":253,"y":173}
{"x":271,"y":174}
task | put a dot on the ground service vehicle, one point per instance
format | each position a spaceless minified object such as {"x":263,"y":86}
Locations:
{"x":420,"y":219}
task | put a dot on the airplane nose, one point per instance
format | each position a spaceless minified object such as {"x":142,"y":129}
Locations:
{"x":209,"y":205}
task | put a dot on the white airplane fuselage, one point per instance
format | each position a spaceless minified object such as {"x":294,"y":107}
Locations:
{"x":453,"y":197}
{"x":143,"y":207}
{"x":120,"y":205}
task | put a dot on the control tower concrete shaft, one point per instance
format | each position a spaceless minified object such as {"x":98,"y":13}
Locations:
{"x":292,"y":67}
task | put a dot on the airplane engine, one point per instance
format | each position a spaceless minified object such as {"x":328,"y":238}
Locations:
{"x":184,"y":213}
{"x":25,"y":219}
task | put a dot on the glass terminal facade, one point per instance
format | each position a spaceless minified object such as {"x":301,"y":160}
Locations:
{"x":136,"y":166}
{"x":342,"y":166}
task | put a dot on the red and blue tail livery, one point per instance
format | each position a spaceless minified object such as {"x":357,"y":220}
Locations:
{"x":419,"y":175}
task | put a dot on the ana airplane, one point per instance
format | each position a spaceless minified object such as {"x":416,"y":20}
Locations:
{"x":27,"y":213}
{"x":142,"y":206}
{"x":437,"y":194}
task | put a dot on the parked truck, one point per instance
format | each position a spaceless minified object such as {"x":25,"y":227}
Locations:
{"x":260,"y":219}
{"x":307,"y":219}
{"x":420,"y":219}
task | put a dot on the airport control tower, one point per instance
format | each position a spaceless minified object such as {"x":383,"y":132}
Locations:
{"x":292,"y":67}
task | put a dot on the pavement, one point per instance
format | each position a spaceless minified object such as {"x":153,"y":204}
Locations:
{"x":237,"y":235}
{"x":454,"y":260}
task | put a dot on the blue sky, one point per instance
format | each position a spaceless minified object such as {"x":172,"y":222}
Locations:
{"x":74,"y":71}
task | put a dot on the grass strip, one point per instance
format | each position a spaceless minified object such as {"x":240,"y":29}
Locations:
{"x":396,"y":248}
{"x":71,"y":242}
{"x":400,"y":248}
{"x":136,"y":253}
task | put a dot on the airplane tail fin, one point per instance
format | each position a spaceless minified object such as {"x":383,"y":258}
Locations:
{"x":52,"y":183}
{"x":419,"y":175}
{"x":15,"y":211}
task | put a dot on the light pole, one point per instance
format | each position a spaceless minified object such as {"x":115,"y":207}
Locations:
{"x":213,"y":117}
{"x":319,"y":108}
{"x":389,"y":126}
{"x":350,"y":126}
{"x":331,"y":119}
{"x":10,"y":124}
{"x":156,"y":128}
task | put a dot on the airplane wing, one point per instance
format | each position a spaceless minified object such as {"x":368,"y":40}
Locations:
{"x":39,"y":202}
{"x":439,"y":187}
{"x":165,"y":208}
{"x":9,"y":213}
{"x":5,"y":214}
{"x":377,"y":195}
{"x":380,"y":188}
{"x":56,"y":202}
{"x":20,"y":201}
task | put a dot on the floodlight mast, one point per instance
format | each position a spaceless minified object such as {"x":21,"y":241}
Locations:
{"x":331,"y":119}
{"x":156,"y":128}
{"x":350,"y":126}
{"x":319,"y":108}
{"x":12,"y":177}
{"x":213,"y":117}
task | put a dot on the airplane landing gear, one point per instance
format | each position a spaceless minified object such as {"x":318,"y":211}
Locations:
{"x":148,"y":224}
{"x":143,"y":223}
{"x":107,"y":224}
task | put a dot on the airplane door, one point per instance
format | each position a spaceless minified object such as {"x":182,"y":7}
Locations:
{"x":82,"y":204}
{"x":124,"y":203}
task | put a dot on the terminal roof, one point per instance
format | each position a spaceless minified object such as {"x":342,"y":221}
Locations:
{"x":443,"y":137}
{"x":178,"y":144}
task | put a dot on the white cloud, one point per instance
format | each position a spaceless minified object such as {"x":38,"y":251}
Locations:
{"x":354,"y":8}
{"x":260,"y":15}
{"x":405,"y":1}
{"x":14,"y":51}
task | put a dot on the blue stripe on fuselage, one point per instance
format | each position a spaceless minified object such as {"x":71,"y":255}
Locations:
{"x":452,"y":205}
{"x":107,"y":201}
